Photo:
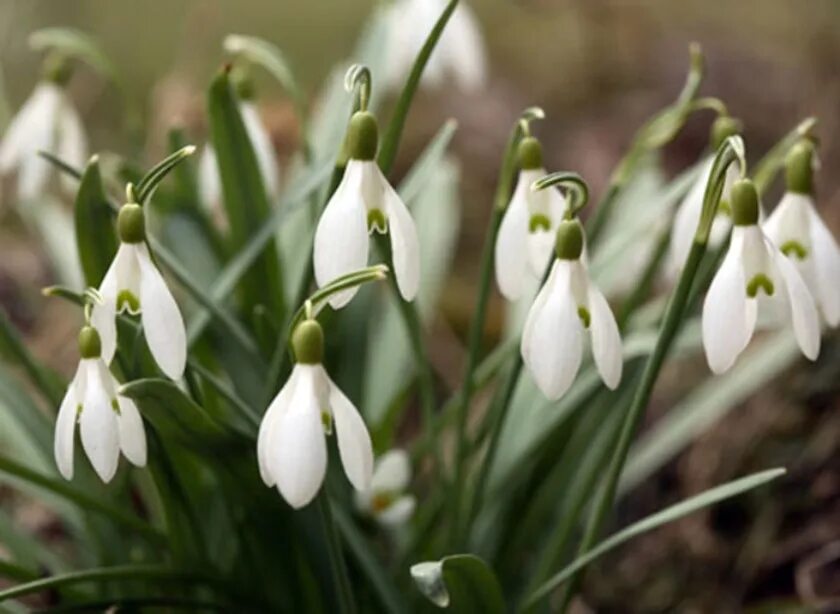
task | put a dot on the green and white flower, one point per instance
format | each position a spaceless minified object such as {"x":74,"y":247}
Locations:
{"x":386,"y":500}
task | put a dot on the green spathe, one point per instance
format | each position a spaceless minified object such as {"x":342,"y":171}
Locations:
{"x":131,"y":224}
{"x":799,"y":168}
{"x":362,"y":136}
{"x":569,"y":242}
{"x":529,"y":154}
{"x":744,"y":203}
{"x":90,"y":346}
{"x":308,"y":343}
{"x":722,"y":128}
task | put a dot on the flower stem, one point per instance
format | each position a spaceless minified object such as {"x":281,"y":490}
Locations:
{"x":337,"y":563}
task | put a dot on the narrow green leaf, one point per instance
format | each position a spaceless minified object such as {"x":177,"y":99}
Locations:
{"x":460,"y":583}
{"x":150,"y":181}
{"x":95,"y":233}
{"x":61,"y":165}
{"x":13,"y":348}
{"x":669,"y":514}
{"x":428,"y":163}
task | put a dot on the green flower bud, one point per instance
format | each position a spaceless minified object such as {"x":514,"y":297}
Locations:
{"x":744,"y":203}
{"x":131,"y":224}
{"x":569,"y":242}
{"x":529,"y":154}
{"x":90,"y":346}
{"x":362,"y":136}
{"x":722,"y":128}
{"x":799,"y":168}
{"x":308,"y":343}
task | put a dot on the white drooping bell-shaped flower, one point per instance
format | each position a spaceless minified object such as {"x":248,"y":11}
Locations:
{"x":386,"y":500}
{"x":797,"y":230}
{"x":46,"y":122}
{"x":108,"y":423}
{"x":292,"y":446}
{"x":460,"y":54}
{"x":567,"y":307}
{"x":753,"y":266}
{"x":528,"y":229}
{"x":363,"y":203}
{"x":134,"y":284}
{"x":688,"y":212}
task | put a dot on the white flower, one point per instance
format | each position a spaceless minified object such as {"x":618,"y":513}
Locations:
{"x":688,"y":217}
{"x":526,"y":235}
{"x":754,"y":265}
{"x":134,"y":284}
{"x":364,"y":202}
{"x":385,"y":499}
{"x":46,"y":122}
{"x":108,"y":423}
{"x":292,"y":447}
{"x":209,"y":182}
{"x":568,"y":306}
{"x":459,"y":54}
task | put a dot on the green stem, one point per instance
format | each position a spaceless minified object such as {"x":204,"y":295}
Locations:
{"x":337,"y":563}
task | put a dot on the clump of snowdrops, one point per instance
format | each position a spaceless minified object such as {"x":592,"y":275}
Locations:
{"x":254,"y":374}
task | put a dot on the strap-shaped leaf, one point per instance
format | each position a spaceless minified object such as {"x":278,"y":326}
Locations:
{"x":460,"y":583}
{"x":95,"y":233}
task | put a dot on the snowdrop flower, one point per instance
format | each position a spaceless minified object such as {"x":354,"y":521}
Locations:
{"x":565,"y":309}
{"x":363,"y":203}
{"x":796,"y":228}
{"x":46,"y":122}
{"x":526,"y":235}
{"x":688,"y":212}
{"x":459,"y":54}
{"x":108,"y":423}
{"x":291,"y":445}
{"x":385,"y":499}
{"x":753,"y":265}
{"x":134,"y":284}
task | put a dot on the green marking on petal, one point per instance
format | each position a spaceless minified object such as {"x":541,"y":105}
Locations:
{"x":539,"y":221}
{"x":794,"y":249}
{"x":326,"y":421}
{"x":78,"y":410}
{"x":760,"y":282}
{"x":585,"y":317}
{"x":724,"y":209}
{"x":382,"y":500}
{"x":115,"y":406}
{"x":377,"y":221}
{"x":127,"y":300}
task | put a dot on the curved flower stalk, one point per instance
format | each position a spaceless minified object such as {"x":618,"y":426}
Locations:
{"x":799,"y":232}
{"x":108,"y":423}
{"x":291,"y":445}
{"x":567,"y":307}
{"x":363,"y":203}
{"x":688,"y":212}
{"x":460,"y":53}
{"x":753,"y":272}
{"x":133,"y":284}
{"x":526,"y":235}
{"x":46,"y":122}
{"x":385,"y":500}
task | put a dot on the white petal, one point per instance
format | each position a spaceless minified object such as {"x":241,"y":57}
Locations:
{"x":405,"y":246}
{"x":826,"y":255}
{"x":162,"y":321}
{"x":72,"y":142}
{"x":298,"y":457}
{"x":277,"y":407}
{"x":806,"y":323}
{"x":263,"y":148}
{"x":392,"y":471}
{"x":341,"y":238}
{"x":398,"y":513}
{"x":209,"y":181}
{"x":103,"y":316}
{"x":98,"y":424}
{"x":686,"y":220}
{"x":465,"y":47}
{"x":726,"y":322}
{"x":132,"y":433}
{"x":65,"y":426}
{"x":554,"y":346}
{"x":606,"y":340}
{"x":511,"y":252}
{"x":354,"y":444}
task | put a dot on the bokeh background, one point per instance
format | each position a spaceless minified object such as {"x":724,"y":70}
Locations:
{"x":598,"y":68}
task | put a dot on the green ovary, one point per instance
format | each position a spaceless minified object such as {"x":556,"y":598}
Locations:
{"x":377,"y":221}
{"x":539,"y":222}
{"x":794,"y":249}
{"x":760,"y":282}
{"x":585,"y":318}
{"x":125,"y":299}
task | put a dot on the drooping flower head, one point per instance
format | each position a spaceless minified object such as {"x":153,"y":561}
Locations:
{"x":753,"y":273}
{"x":46,"y":122}
{"x":688,"y":212}
{"x":133,"y":284}
{"x":798,"y":231}
{"x":526,"y":235}
{"x":386,"y":500}
{"x":108,"y":423}
{"x":364,"y":203}
{"x":292,"y":446}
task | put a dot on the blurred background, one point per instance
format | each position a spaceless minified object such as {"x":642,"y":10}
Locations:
{"x":598,"y":68}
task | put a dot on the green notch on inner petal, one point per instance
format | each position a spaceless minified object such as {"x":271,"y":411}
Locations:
{"x":115,"y":406}
{"x":377,"y":221}
{"x":585,"y":318}
{"x":382,"y":500}
{"x":794,"y":249}
{"x":78,"y":410}
{"x":724,"y":209}
{"x":127,"y":300}
{"x":539,"y":221}
{"x":760,"y":281}
{"x":326,"y":421}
